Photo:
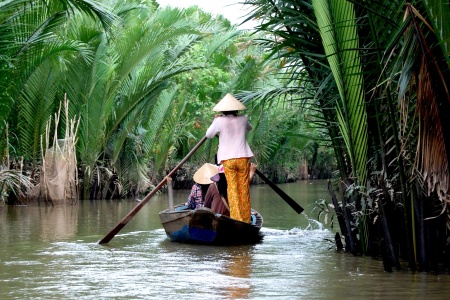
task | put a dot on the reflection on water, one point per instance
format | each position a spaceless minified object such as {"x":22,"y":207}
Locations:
{"x":239,"y":266}
{"x":52,"y":253}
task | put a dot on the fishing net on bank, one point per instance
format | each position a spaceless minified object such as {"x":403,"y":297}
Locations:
{"x":58,"y":181}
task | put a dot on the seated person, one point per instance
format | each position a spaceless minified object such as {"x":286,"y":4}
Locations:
{"x":202,"y":180}
{"x":216,"y":196}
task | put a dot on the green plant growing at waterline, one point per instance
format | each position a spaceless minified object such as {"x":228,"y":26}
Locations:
{"x":13,"y":182}
{"x":325,"y":212}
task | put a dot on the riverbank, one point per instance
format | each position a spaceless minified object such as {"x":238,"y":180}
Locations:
{"x":288,"y":174}
{"x":106,"y":184}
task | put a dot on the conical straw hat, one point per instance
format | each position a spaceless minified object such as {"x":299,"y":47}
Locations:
{"x":229,"y":103}
{"x":204,"y":174}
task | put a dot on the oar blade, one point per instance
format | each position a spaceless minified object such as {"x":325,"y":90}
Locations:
{"x":280,"y":192}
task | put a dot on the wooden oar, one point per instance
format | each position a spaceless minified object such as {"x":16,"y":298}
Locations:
{"x":131,"y":214}
{"x":282,"y":194}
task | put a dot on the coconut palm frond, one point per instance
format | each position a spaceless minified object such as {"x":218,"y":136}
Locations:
{"x":419,"y":60}
{"x":13,"y":181}
{"x":336,"y":20}
{"x":169,"y":137}
{"x":36,"y":107}
{"x":157,"y":118}
{"x":439,"y":14}
{"x":92,"y":8}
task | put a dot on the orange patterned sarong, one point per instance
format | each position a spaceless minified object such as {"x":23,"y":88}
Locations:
{"x":237,"y":172}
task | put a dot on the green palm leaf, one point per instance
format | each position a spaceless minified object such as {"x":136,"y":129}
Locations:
{"x":29,"y":34}
{"x":439,"y":14}
{"x":36,"y":106}
{"x":336,"y":20}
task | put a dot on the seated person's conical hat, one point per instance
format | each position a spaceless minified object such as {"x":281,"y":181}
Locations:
{"x":205,"y":172}
{"x":229,"y":103}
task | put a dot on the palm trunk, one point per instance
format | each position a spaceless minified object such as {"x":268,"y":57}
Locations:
{"x":339,"y":214}
{"x":395,"y":136}
{"x":393,"y":257}
{"x":421,"y":246}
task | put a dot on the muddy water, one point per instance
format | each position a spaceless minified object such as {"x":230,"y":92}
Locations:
{"x":52,"y":253}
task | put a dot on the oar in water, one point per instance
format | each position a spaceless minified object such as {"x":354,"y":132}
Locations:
{"x":282,"y":194}
{"x":138,"y":207}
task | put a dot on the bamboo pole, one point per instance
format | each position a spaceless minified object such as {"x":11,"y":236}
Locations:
{"x":170,"y":190}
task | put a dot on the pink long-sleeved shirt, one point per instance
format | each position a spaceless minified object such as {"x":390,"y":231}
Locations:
{"x":232,"y":131}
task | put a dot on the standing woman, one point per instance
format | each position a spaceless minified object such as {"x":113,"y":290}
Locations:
{"x":234,"y":153}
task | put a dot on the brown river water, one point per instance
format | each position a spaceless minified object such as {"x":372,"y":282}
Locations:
{"x":52,"y":253}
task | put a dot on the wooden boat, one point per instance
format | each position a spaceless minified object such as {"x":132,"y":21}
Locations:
{"x":203,"y":226}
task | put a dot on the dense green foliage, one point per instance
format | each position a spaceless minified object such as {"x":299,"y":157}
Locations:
{"x":357,"y":86}
{"x":141,"y":81}
{"x":378,"y":71}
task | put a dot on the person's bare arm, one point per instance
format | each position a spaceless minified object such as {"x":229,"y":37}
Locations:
{"x":252,"y":171}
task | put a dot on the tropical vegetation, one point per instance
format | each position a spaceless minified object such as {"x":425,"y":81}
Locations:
{"x":360,"y":87}
{"x":378,"y":72}
{"x":140,"y":81}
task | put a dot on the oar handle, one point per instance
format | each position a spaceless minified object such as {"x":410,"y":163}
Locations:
{"x":138,"y":207}
{"x":280,"y":192}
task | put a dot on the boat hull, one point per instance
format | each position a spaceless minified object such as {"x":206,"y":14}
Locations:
{"x":203,"y":226}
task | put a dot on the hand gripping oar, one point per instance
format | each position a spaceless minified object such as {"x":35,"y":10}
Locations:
{"x":131,"y":214}
{"x":283,"y":195}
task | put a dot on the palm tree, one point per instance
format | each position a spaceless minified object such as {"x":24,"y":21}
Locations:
{"x":113,"y":76}
{"x":362,"y":43}
{"x":126,"y":76}
{"x":29,"y":45}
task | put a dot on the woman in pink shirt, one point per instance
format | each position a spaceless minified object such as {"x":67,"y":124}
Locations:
{"x":234,"y":153}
